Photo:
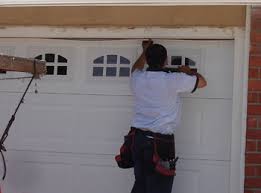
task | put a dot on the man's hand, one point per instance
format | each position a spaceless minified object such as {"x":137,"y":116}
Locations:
{"x":201,"y":80}
{"x":146,"y":44}
{"x":140,"y":62}
{"x":185,"y":69}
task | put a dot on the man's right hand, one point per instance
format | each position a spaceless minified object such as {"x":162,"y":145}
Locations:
{"x":146,"y":44}
{"x":140,"y":62}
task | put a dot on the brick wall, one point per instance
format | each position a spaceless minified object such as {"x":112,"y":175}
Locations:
{"x":253,"y":143}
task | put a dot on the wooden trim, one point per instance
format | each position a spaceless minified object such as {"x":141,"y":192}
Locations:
{"x":117,"y":33}
{"x":238,"y":114}
{"x":124,"y":16}
{"x":124,"y":2}
{"x":245,"y":96}
{"x":18,"y":64}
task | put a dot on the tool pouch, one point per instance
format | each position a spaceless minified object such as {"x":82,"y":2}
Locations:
{"x":164,"y":156}
{"x":124,"y":159}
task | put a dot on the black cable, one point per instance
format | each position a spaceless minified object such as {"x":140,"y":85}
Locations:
{"x":4,"y":162}
{"x":5,"y":134}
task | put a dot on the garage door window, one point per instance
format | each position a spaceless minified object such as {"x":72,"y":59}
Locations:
{"x":189,"y":62}
{"x":177,"y":61}
{"x":56,"y":64}
{"x":111,"y":65}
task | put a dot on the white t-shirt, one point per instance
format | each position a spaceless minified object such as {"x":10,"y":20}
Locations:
{"x":157,"y":104}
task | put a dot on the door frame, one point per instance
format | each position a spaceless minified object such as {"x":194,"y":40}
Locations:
{"x":241,"y":53}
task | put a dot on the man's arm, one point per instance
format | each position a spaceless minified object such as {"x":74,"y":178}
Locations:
{"x":140,"y":62}
{"x":201,"y":80}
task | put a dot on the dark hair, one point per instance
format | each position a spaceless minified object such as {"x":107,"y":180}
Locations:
{"x":156,"y":55}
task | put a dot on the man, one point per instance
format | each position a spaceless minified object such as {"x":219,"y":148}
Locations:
{"x":156,"y":114}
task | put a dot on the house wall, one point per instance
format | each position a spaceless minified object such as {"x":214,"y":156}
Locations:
{"x":131,"y":16}
{"x":253,"y":141}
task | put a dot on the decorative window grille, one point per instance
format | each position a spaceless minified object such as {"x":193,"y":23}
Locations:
{"x":177,"y":61}
{"x":55,"y":64}
{"x":111,"y":65}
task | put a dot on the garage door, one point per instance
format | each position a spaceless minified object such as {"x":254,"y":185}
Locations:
{"x":65,"y":136}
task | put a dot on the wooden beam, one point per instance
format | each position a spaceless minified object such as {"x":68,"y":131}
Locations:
{"x":19,"y":64}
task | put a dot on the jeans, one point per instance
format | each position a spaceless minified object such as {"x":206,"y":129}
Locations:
{"x":147,"y":180}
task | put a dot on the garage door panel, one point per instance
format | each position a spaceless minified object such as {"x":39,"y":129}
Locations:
{"x":183,"y":178}
{"x":99,"y":173}
{"x":70,"y":172}
{"x":65,"y":158}
{"x":102,"y":179}
{"x":97,"y":125}
{"x":108,"y":130}
{"x":201,"y":176}
{"x":8,"y":105}
{"x":38,"y":177}
{"x":66,"y":136}
{"x":212,"y":58}
{"x":45,"y":128}
{"x":10,"y":50}
{"x":108,"y":67}
{"x":78,"y":101}
{"x":99,"y":122}
{"x":108,"y":121}
{"x":207,"y":133}
{"x":60,"y":61}
{"x":218,"y":61}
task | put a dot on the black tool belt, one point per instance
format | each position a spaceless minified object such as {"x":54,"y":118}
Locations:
{"x":163,"y":158}
{"x":124,"y":159}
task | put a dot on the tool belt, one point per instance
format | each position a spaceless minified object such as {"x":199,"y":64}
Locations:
{"x":124,"y":159}
{"x":163,"y":155}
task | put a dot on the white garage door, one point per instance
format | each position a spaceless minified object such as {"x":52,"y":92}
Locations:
{"x":65,"y":137}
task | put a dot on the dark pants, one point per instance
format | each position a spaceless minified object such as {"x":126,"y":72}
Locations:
{"x":146,"y":179}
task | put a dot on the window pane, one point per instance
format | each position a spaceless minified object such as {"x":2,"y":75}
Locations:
{"x":62,"y":59}
{"x":124,"y":71}
{"x":62,"y":70}
{"x":111,"y":71}
{"x":40,"y":57}
{"x":111,"y":59}
{"x":124,"y":60}
{"x":189,"y":62}
{"x":97,"y":71}
{"x":176,"y":60}
{"x":50,"y":70}
{"x":99,"y":60}
{"x":49,"y":57}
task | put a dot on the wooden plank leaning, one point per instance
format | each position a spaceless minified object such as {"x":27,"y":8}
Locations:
{"x":19,"y":64}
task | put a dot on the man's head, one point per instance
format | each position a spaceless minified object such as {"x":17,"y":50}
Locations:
{"x":156,"y":55}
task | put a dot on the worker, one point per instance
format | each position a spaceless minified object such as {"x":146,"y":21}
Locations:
{"x":156,"y":115}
